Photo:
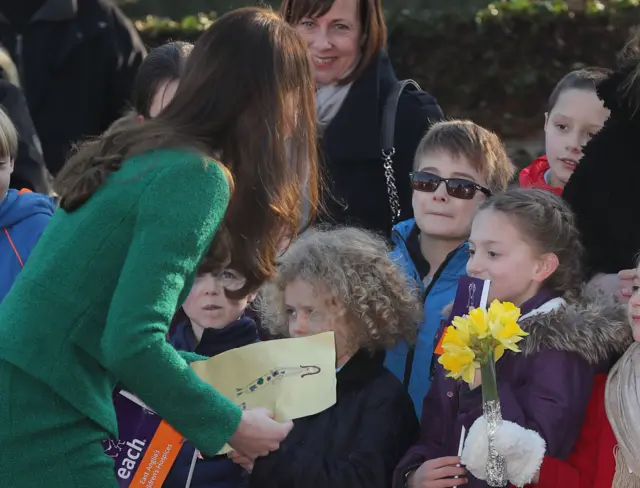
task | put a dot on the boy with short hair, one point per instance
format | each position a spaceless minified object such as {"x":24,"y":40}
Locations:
{"x":210,"y":323}
{"x":457,"y":165}
{"x":23,"y":214}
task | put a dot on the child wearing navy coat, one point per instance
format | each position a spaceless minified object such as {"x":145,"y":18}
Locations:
{"x":209,"y":323}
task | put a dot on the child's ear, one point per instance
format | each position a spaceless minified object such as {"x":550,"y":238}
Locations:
{"x":251,"y":297}
{"x":547,"y":265}
{"x":140,"y":118}
{"x":546,"y":119}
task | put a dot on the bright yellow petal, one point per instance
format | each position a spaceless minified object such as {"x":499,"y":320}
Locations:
{"x":496,"y":327}
{"x":469,"y":374}
{"x":457,"y":360}
{"x":478,"y":322}
{"x":510,"y":311}
{"x":453,"y":336}
{"x":511,"y":346}
{"x":509,"y":335}
{"x":498,"y":351}
{"x":505,"y":310}
{"x":461,"y":325}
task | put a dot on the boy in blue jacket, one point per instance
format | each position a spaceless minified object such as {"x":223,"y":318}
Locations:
{"x":457,"y":165}
{"x":209,"y":323}
{"x":23,"y":214}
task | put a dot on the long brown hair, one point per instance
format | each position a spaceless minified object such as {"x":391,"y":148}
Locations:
{"x":374,"y":28}
{"x":246,"y":94}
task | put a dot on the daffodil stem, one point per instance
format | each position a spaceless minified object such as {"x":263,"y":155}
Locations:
{"x":489,"y":382}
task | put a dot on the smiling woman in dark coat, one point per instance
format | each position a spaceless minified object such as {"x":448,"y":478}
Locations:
{"x":354,"y":76}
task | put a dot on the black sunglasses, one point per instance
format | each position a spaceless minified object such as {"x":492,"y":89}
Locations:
{"x":456,"y":187}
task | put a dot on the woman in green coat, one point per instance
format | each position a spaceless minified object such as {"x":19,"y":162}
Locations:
{"x":140,"y":207}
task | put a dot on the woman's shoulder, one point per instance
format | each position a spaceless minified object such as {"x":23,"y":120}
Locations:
{"x":418,"y":106}
{"x":594,"y":327}
{"x":180,"y":165}
{"x":170,"y":157}
{"x":413,"y":105}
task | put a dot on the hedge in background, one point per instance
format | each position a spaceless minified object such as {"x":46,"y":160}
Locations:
{"x":498,"y":68}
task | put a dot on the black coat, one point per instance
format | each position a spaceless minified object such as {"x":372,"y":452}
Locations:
{"x":603,"y":189}
{"x":352,"y":149}
{"x":218,"y":471}
{"x":357,"y":443}
{"x":29,"y":171}
{"x":77,"y":61}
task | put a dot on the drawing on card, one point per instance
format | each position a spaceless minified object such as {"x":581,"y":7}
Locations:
{"x":472,"y":295}
{"x":112,"y":447}
{"x":276,"y":376}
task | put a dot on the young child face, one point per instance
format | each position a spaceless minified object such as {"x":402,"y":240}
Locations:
{"x":208,"y":307}
{"x":310,"y":311}
{"x":633,"y":308}
{"x":575,"y":118}
{"x":498,"y":252}
{"x":438,"y":214}
{"x":6,"y":168}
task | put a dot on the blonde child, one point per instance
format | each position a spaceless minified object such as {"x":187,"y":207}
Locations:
{"x":526,"y":243}
{"x":23,"y":214}
{"x":457,"y":165}
{"x":574,"y":115}
{"x":343,"y":281}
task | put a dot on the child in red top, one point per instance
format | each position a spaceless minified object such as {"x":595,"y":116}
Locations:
{"x":574,"y":115}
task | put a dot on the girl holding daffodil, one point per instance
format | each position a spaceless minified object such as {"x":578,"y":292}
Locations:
{"x":551,"y":339}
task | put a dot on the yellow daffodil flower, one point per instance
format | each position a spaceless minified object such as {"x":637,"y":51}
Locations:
{"x":478,"y":323}
{"x":506,"y":311}
{"x":460,"y":330}
{"x":469,"y":338}
{"x":459,"y":361}
{"x":504,"y":326}
{"x":508,"y":334}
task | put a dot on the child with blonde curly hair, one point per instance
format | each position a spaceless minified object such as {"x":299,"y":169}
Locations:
{"x":343,"y":281}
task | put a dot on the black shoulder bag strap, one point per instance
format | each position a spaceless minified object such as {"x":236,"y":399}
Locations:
{"x":388,"y":151}
{"x":388,"y":144}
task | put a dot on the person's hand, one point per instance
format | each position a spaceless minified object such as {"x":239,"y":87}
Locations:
{"x":626,"y":277}
{"x":438,"y":473}
{"x":523,"y":450}
{"x":258,"y":434}
{"x":242,"y":460}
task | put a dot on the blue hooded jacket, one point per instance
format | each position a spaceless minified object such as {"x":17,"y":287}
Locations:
{"x":23,"y":218}
{"x":440,"y":293}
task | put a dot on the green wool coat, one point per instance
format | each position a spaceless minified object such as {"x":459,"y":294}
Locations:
{"x":92,"y":306}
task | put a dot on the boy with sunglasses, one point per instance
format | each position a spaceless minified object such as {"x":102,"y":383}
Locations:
{"x":457,"y":165}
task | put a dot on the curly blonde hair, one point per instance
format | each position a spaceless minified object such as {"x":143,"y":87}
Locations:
{"x":370,"y":293}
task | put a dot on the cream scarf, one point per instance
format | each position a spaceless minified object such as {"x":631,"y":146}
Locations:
{"x":622,"y":402}
{"x":329,"y":99}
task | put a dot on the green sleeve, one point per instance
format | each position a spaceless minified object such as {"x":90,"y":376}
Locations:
{"x":178,"y":215}
{"x":191,"y":357}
